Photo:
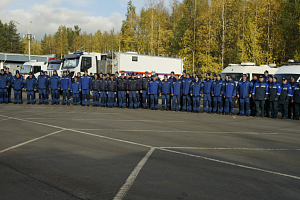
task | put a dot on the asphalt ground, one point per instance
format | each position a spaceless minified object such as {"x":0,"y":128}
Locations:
{"x":76,"y":152}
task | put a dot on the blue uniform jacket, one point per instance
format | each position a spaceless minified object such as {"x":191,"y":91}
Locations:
{"x":17,"y":83}
{"x":122,"y":84}
{"x":218,"y":88}
{"x":296,"y":93}
{"x":75,"y":87}
{"x":86,"y":82}
{"x":207,"y":84}
{"x":176,"y":87}
{"x":260,"y":91}
{"x":42,"y":82}
{"x":196,"y":88}
{"x":65,"y":82}
{"x":55,"y":82}
{"x":244,"y":89}
{"x":286,"y":94}
{"x":165,"y":87}
{"x":185,"y":84}
{"x":3,"y":81}
{"x":30,"y":84}
{"x":274,"y":91}
{"x":230,"y":89}
{"x":153,"y":87}
{"x":9,"y":77}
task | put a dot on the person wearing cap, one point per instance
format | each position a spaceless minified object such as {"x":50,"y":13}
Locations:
{"x":75,"y":89}
{"x":111,"y":91}
{"x":42,"y":83}
{"x":214,"y":77}
{"x":153,"y":91}
{"x":116,"y":94}
{"x":291,"y":110}
{"x":65,"y":87}
{"x":138,"y":96}
{"x":80,"y":92}
{"x":55,"y":87}
{"x":172,"y":77}
{"x":133,"y":89}
{"x":229,"y":94}
{"x":186,"y":98}
{"x":266,"y":76}
{"x":195,"y":93}
{"x":48,"y":85}
{"x":144,"y":90}
{"x":95,"y":85}
{"x":183,"y":76}
{"x":267,"y":103}
{"x":127,"y":77}
{"x":4,"y":84}
{"x":252,"y":103}
{"x":9,"y":79}
{"x":217,"y":93}
{"x":176,"y":92}
{"x":260,"y":94}
{"x":296,"y":100}
{"x":193,"y":78}
{"x":69,"y":75}
{"x":244,"y":93}
{"x":122,"y":85}
{"x":285,"y":96}
{"x":17,"y":84}
{"x":30,"y":88}
{"x":206,"y":94}
{"x":102,"y":91}
{"x":165,"y":90}
{"x":86,"y":87}
{"x":274,"y":93}
{"x":34,"y":92}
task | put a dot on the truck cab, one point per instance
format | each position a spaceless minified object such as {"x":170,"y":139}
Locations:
{"x":55,"y":65}
{"x":81,"y":61}
{"x":33,"y":66}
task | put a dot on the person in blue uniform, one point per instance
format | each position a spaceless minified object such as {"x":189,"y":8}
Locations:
{"x":296,"y":100}
{"x":55,"y":88}
{"x":260,"y":93}
{"x":133,"y":90}
{"x":252,"y":103}
{"x":193,"y":78}
{"x":266,"y":76}
{"x":186,"y":98}
{"x":274,"y":93}
{"x":30,"y":88}
{"x":102,"y":91}
{"x":95,"y":85}
{"x":9,"y":79}
{"x":176,"y":93}
{"x":122,"y":85}
{"x":17,"y":84}
{"x":144,"y":90}
{"x":195,"y":93}
{"x":291,"y":110}
{"x":217,"y":93}
{"x":85,"y":88}
{"x":244,"y":94}
{"x":153,"y":91}
{"x":4,"y":84}
{"x":48,"y":85}
{"x":267,"y":103}
{"x":229,"y":94}
{"x":66,"y":87}
{"x":165,"y":90}
{"x":206,"y":93}
{"x":42,"y":87}
{"x":111,"y":90}
{"x":285,"y":96}
{"x":80,"y":92}
{"x":75,"y":89}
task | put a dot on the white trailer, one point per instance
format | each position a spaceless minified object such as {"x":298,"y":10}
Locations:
{"x":288,"y":70}
{"x":133,"y":62}
{"x":33,"y":66}
{"x":237,"y":70}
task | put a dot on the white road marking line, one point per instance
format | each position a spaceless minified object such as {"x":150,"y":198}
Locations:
{"x":232,"y":164}
{"x":13,"y":147}
{"x":125,"y":130}
{"x":67,"y":119}
{"x":125,"y":188}
{"x":251,"y":149}
{"x":4,"y":119}
{"x":102,"y":119}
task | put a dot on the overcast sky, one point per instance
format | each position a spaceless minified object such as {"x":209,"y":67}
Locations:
{"x":46,"y":16}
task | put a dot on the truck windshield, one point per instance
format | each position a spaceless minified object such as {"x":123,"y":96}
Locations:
{"x":70,"y":63}
{"x":53,"y":66}
{"x":235,"y":76}
{"x":25,"y":69}
{"x":287,"y":76}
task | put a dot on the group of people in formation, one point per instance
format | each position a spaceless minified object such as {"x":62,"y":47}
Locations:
{"x":258,"y":97}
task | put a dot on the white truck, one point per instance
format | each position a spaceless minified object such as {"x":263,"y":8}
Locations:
{"x":55,"y":65}
{"x":33,"y":66}
{"x":118,"y":61}
{"x":289,"y":69}
{"x":237,"y":70}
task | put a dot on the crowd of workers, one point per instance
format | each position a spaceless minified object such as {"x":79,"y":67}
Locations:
{"x":259,"y":97}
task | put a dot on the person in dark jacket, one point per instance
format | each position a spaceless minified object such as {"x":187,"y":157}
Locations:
{"x":48,"y":85}
{"x":17,"y":85}
{"x":102,"y":91}
{"x":206,"y":93}
{"x":80,"y":92}
{"x":291,"y":110}
{"x":42,"y":87}
{"x":267,"y":103}
{"x":260,"y":93}
{"x":95,"y":85}
{"x":9,"y":79}
{"x":176,"y":93}
{"x":195,"y":92}
{"x":285,"y":96}
{"x":122,"y":85}
{"x":217,"y":93}
{"x":165,"y":90}
{"x":186,"y":98}
{"x":66,"y":87}
{"x":111,"y":91}
{"x":133,"y":90}
{"x":4,"y":84}
{"x":55,"y":87}
{"x":75,"y":89}
{"x":274,"y":94}
{"x":144,"y":90}
{"x":296,"y":100}
{"x":252,"y":102}
{"x":30,"y":88}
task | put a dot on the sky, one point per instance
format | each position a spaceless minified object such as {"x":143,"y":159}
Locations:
{"x":47,"y":16}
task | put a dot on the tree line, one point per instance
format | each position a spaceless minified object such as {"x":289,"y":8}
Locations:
{"x":218,"y":31}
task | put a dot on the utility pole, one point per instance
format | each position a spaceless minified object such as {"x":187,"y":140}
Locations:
{"x":193,"y":56}
{"x":29,"y":37}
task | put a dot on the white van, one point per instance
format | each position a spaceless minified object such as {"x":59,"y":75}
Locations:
{"x":287,"y":70}
{"x":33,"y":66}
{"x":237,"y":70}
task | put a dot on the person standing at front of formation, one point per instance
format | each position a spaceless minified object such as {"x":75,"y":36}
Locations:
{"x":66,"y":87}
{"x":122,"y":84}
{"x":95,"y":85}
{"x":217,"y":93}
{"x":186,"y":98}
{"x":195,"y":92}
{"x":229,"y":94}
{"x":75,"y":89}
{"x":267,"y":103}
{"x":296,"y":100}
{"x":260,"y":93}
{"x":153,"y":91}
{"x":144,"y":90}
{"x":42,"y":86}
{"x":9,"y":79}
{"x":176,"y":93}
{"x":4,"y":84}
{"x":274,"y":94}
{"x":133,"y":89}
{"x":30,"y":88}
{"x":102,"y":91}
{"x":165,"y":90}
{"x":47,"y":89}
{"x":86,"y":87}
{"x":55,"y":87}
{"x":285,"y":96}
{"x":207,"y":85}
{"x":17,"y":84}
{"x":244,"y":95}
{"x":111,"y":90}
{"x":252,"y":103}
